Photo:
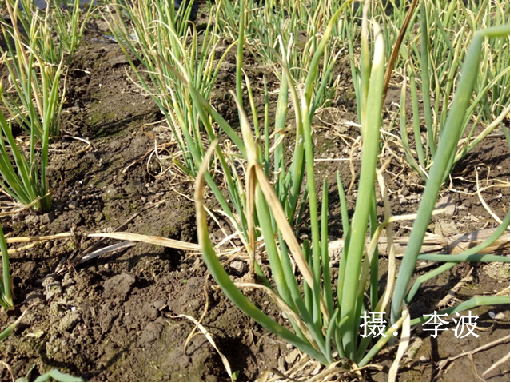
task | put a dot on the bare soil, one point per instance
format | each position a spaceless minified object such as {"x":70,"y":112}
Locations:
{"x":114,"y":317}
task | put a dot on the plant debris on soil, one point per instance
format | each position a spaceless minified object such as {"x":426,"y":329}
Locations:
{"x":115,"y":317}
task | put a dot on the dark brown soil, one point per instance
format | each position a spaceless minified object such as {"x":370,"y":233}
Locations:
{"x":113,"y":318}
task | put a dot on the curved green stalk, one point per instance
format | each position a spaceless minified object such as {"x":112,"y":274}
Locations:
{"x":222,"y":278}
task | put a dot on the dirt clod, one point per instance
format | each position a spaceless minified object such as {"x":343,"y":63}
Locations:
{"x":118,"y":286}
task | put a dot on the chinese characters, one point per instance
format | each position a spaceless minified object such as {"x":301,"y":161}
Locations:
{"x":374,"y":324}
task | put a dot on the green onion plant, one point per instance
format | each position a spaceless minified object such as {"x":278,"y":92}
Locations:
{"x":25,"y":179}
{"x":5,"y":282}
{"x":161,"y":39}
{"x":297,"y":25}
{"x":324,"y":314}
{"x":40,"y":45}
{"x":33,"y":94}
{"x":32,"y":103}
{"x":435,"y":58}
{"x":68,"y":19}
{"x":268,"y":195}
